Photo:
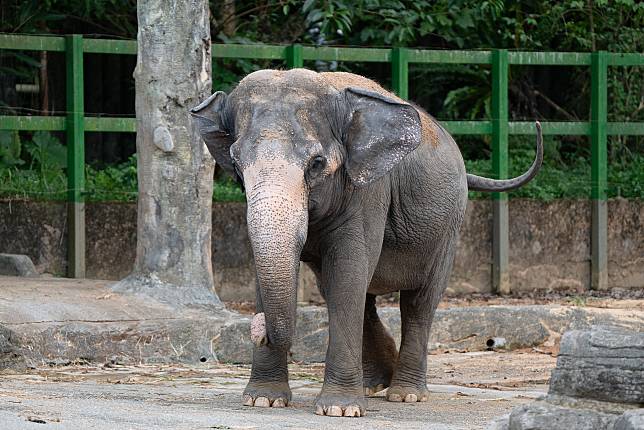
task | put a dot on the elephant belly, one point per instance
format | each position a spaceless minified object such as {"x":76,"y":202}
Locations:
{"x":398,"y":270}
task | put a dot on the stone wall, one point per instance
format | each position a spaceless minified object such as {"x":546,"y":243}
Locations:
{"x":549,"y":244}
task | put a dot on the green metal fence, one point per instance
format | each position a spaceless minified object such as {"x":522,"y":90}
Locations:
{"x":75,"y":124}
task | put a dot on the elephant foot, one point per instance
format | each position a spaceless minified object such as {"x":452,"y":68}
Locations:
{"x":378,"y":369}
{"x":398,"y":393}
{"x":337,"y":405}
{"x":377,"y":379}
{"x":267,"y":394}
{"x":372,"y":390}
{"x":375,"y":383}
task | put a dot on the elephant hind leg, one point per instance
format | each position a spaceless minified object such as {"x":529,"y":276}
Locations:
{"x":417,"y":308}
{"x":379,"y":353}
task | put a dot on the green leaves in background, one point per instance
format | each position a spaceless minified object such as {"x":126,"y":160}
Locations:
{"x":10,"y":149}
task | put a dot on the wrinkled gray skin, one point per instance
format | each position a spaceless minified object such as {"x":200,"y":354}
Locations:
{"x":370,"y":192}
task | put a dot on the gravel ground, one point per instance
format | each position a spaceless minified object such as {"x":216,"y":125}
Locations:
{"x":468,"y":391}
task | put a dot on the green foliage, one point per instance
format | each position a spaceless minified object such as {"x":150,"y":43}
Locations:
{"x":10,"y":149}
{"x":114,"y":183}
{"x":227,"y":190}
{"x":46,"y":180}
{"x":44,"y":177}
{"x":46,"y":152}
{"x":113,"y":17}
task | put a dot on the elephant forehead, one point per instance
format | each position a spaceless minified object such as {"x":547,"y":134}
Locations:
{"x":290,"y":85}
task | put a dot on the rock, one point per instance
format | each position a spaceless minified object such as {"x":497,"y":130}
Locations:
{"x":604,"y":364}
{"x":10,"y":358}
{"x":597,"y":384}
{"x":16,"y":265}
{"x":233,"y":344}
{"x":541,"y":415}
{"x":467,"y":328}
{"x":630,"y":420}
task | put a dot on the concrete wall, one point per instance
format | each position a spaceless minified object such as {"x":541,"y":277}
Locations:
{"x":549,"y":244}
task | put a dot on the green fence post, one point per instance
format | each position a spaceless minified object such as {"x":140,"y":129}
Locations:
{"x":400,"y":72}
{"x":75,"y":131}
{"x":500,"y":241}
{"x":294,"y":57}
{"x":599,"y":166}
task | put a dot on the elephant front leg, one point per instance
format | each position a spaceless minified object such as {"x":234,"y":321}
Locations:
{"x":344,"y":286}
{"x":268,"y":384}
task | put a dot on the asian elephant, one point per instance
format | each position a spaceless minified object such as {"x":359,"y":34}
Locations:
{"x":369,"y":191}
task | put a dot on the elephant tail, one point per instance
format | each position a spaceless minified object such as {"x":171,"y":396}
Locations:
{"x":479,"y":183}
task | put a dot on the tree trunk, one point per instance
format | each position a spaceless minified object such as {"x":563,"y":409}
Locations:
{"x":175,"y":170}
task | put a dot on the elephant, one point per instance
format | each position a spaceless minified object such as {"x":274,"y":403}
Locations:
{"x":369,"y":191}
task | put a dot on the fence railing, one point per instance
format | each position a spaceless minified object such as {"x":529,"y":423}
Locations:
{"x":75,"y":123}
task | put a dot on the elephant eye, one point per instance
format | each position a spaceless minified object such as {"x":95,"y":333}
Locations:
{"x":317,"y":163}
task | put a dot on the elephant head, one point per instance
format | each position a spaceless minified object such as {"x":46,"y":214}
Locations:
{"x":299,"y":142}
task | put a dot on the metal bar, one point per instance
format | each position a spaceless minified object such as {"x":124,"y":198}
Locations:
{"x":75,"y":157}
{"x":125,"y":125}
{"x":573,"y":128}
{"x":400,"y":72}
{"x":259,"y":52}
{"x":327,"y":53}
{"x":294,"y":57}
{"x":32,"y":123}
{"x":97,"y":124}
{"x":625,"y":59}
{"x":468,"y":127}
{"x":32,"y":43}
{"x":104,"y":46}
{"x":549,"y":58}
{"x":449,"y":57}
{"x":625,"y":128}
{"x":599,"y":165}
{"x":500,"y":236}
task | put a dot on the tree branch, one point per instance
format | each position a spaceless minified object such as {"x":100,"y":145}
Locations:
{"x":555,"y":105}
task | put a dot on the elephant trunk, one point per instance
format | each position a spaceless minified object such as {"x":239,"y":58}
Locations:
{"x":277,"y":228}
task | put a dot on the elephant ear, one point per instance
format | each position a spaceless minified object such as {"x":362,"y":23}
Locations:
{"x":209,"y":118}
{"x":380,"y":132}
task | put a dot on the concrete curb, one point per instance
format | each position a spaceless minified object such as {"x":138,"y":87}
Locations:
{"x":462,"y":328}
{"x":46,"y":321}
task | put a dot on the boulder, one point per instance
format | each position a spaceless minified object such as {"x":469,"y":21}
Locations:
{"x":598,"y":384}
{"x":16,"y":265}
{"x":602,"y":364}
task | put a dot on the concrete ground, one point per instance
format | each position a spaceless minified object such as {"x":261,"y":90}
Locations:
{"x":468,"y":391}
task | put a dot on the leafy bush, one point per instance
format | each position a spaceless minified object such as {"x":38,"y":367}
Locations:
{"x":45,"y":177}
{"x":40,"y":174}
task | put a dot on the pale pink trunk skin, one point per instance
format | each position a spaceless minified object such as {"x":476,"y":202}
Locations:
{"x":277,"y":226}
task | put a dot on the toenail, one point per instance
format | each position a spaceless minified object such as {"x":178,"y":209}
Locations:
{"x":262,"y":402}
{"x":248,"y":400}
{"x":411,"y":398}
{"x":279,"y":403}
{"x":394,"y":398}
{"x":352,"y":411}
{"x":334,"y":411}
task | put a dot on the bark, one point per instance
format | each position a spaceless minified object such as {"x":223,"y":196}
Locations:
{"x":175,"y":170}
{"x":229,"y":19}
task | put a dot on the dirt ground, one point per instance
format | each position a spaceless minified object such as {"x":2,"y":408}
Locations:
{"x":468,"y":391}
